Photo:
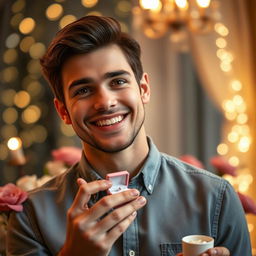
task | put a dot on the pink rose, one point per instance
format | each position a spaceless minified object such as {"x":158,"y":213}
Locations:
{"x":11,"y":198}
{"x":192,"y":160}
{"x":223,"y":166}
{"x":68,"y":155}
{"x":248,"y":204}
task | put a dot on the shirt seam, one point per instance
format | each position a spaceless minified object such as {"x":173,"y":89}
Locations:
{"x":218,"y":207}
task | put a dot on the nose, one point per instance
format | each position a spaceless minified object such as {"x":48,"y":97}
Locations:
{"x":104,"y":100}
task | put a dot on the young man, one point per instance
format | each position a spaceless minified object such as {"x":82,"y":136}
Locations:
{"x":100,"y":89}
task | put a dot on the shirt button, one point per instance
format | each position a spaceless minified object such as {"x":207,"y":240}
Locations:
{"x":131,"y":253}
{"x":150,"y":187}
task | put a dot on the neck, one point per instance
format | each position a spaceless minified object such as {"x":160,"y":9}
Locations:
{"x":130,"y":159}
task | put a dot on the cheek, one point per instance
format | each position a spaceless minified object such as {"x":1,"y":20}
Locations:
{"x":133,"y":98}
{"x":79,"y":111}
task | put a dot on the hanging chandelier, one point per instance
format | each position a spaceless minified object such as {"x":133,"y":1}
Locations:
{"x":158,"y":17}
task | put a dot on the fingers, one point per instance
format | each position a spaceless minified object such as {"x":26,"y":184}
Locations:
{"x":118,"y":215}
{"x":107,"y":203}
{"x":217,"y":251}
{"x":120,"y":228}
{"x":84,"y":193}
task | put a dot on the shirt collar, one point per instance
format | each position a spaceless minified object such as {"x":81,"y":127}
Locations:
{"x":149,"y":171}
{"x":151,"y":167}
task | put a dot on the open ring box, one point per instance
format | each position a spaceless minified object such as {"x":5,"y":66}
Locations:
{"x":119,"y":180}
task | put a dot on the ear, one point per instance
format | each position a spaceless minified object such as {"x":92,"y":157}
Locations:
{"x":145,"y":88}
{"x":62,"y":111}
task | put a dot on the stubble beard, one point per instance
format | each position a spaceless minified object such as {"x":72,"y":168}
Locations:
{"x":93,"y":142}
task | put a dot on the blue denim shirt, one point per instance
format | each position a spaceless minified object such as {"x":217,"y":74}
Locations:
{"x":181,"y":200}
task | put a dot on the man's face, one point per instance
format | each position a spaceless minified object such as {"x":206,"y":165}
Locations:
{"x":103,"y":101}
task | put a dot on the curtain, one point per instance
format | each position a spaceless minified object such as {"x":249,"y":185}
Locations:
{"x":238,"y":106}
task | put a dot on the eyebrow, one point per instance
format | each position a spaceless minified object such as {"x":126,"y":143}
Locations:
{"x":107,"y":75}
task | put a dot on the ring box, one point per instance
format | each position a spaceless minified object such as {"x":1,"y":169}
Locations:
{"x":120,"y":181}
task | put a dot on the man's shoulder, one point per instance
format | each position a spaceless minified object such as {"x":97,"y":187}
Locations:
{"x":188,"y":171}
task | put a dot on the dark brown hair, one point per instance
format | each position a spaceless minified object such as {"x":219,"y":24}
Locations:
{"x":84,"y":36}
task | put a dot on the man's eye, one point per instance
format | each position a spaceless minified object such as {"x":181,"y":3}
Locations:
{"x":118,"y":82}
{"x":82,"y":91}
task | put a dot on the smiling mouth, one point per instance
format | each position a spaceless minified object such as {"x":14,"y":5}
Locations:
{"x":109,"y":121}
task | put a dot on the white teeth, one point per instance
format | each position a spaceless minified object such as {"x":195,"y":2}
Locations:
{"x":110,"y":121}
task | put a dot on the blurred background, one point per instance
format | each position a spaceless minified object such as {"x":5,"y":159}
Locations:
{"x":200,"y":59}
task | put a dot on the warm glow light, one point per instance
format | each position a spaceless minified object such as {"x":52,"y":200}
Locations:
{"x":54,"y":11}
{"x":10,"y":115}
{"x":31,"y":114}
{"x":89,"y":3}
{"x":26,"y":43}
{"x":14,"y":143}
{"x":233,"y":137}
{"x":37,"y":50}
{"x":231,"y":115}
{"x":250,"y":227}
{"x":242,"y":118}
{"x":154,"y":5}
{"x":7,"y":97}
{"x":221,"y":29}
{"x":229,"y":178}
{"x":236,"y":85}
{"x":229,"y":106}
{"x":27,"y":25}
{"x":221,"y":42}
{"x":238,"y":99}
{"x":10,"y":56}
{"x":9,"y":74}
{"x":203,"y":3}
{"x":3,"y":152}
{"x":183,"y":4}
{"x":225,"y":67}
{"x":65,"y":20}
{"x":22,"y":99}
{"x":8,"y":131}
{"x":222,"y":149}
{"x":12,"y":40}
{"x":18,"y":6}
{"x":234,"y":160}
{"x":67,"y":130}
{"x":244,"y":144}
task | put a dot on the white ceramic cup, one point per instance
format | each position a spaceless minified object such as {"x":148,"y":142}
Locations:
{"x":194,"y":245}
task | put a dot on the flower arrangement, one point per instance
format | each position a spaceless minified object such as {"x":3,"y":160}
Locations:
{"x":62,"y":159}
{"x":12,"y":196}
{"x":223,"y":167}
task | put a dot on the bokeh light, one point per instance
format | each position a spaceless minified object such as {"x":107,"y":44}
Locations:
{"x":26,"y":43}
{"x":27,"y":25}
{"x":37,"y":50}
{"x":31,"y":114}
{"x":10,"y":56}
{"x":7,"y":97}
{"x":3,"y":152}
{"x":8,"y":131}
{"x":222,"y":149}
{"x":10,"y":115}
{"x":14,"y":143}
{"x":16,"y":19}
{"x":12,"y":40}
{"x":89,"y":3}
{"x":9,"y":74}
{"x":67,"y":19}
{"x":67,"y":130}
{"x":18,"y":6}
{"x":22,"y":99}
{"x":54,"y":11}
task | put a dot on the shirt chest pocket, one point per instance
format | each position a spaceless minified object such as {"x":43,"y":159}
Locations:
{"x":170,"y":249}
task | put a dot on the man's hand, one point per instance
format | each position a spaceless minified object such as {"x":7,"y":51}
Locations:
{"x":216,"y":251}
{"x":87,"y":230}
